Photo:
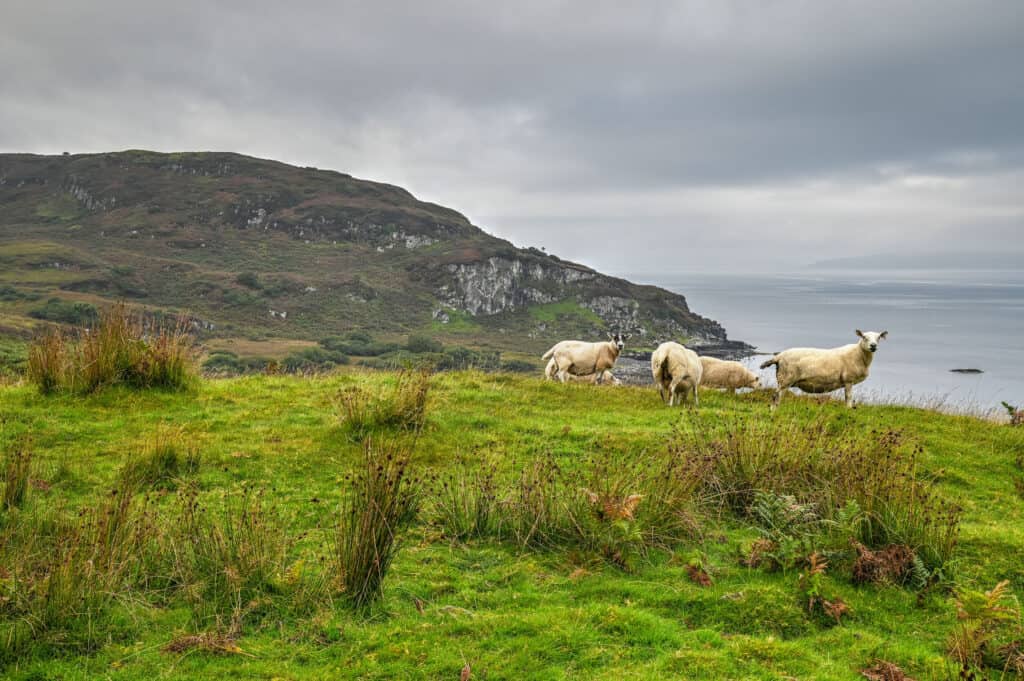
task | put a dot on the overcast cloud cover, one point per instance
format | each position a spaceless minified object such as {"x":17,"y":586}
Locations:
{"x":722,"y":134}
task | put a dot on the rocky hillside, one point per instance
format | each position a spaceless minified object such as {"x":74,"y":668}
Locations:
{"x":260,"y":248}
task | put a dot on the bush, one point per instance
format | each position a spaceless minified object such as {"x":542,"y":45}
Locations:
{"x":249,"y":280}
{"x":122,"y":348}
{"x":313,"y":359}
{"x":383,"y":499}
{"x":419,"y":344}
{"x":169,"y":456}
{"x":459,"y":358}
{"x":227,"y":362}
{"x":359,"y":344}
{"x":518,"y":366}
{"x":403,"y":408}
{"x":9,"y":294}
{"x":66,"y":312}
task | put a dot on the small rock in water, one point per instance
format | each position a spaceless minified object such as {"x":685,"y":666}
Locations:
{"x":966,"y":371}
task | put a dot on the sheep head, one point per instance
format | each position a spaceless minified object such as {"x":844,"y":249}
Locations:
{"x":869,"y":339}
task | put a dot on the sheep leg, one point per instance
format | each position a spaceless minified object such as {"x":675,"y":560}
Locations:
{"x":696,"y":400}
{"x":848,"y":392}
{"x":776,"y":398}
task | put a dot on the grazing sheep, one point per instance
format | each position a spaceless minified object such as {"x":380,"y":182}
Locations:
{"x":604,"y":377}
{"x":815,"y":370}
{"x":728,"y":375}
{"x":580,"y":358}
{"x":676,"y":370}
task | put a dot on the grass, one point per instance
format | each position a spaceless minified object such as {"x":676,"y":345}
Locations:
{"x":460,"y":592}
{"x":122,"y":347}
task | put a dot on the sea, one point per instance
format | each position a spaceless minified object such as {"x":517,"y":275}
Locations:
{"x":938,"y":321}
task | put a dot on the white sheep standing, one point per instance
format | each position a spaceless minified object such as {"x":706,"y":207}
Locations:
{"x":580,"y":358}
{"x":676,"y":370}
{"x":719,"y":373}
{"x":604,"y":377}
{"x":816,"y":370}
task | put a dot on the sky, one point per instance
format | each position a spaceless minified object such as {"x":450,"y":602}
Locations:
{"x":714,"y":135}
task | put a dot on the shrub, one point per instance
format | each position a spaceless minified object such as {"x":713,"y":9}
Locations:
{"x":169,"y":456}
{"x":65,"y":312}
{"x":9,"y":294}
{"x":383,"y":499}
{"x":404,"y":408}
{"x":459,"y":358}
{"x":313,"y":359}
{"x":826,"y":471}
{"x":122,"y":348}
{"x":227,"y":362}
{"x":248,"y":279}
{"x":419,"y":344}
{"x":358,"y":343}
{"x":518,"y":366}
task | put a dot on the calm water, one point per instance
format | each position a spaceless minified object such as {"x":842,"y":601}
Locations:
{"x":937,"y":321}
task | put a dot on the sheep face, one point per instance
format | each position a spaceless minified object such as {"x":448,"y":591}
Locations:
{"x":869,"y":339}
{"x":618,"y":339}
{"x":755,"y":383}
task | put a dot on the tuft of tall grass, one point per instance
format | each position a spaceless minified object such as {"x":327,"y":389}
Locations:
{"x":123,"y":348}
{"x":402,"y":408}
{"x":827,"y":468}
{"x":466,"y":503}
{"x":167,"y":457}
{"x":17,"y":471}
{"x":226,"y":562}
{"x":48,"y":357}
{"x":384,"y":497}
{"x":617,"y":508}
{"x":67,"y":574}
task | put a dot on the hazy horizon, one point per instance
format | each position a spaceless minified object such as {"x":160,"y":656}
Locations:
{"x":691,"y":134}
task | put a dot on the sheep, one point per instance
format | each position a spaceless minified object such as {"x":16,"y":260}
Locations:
{"x":815,"y":370}
{"x":676,"y":370}
{"x":719,"y":373}
{"x":580,"y":358}
{"x":604,"y":377}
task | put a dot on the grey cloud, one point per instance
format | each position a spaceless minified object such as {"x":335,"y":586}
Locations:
{"x":545,"y":121}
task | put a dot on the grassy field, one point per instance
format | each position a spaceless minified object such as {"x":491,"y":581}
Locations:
{"x":506,"y":609}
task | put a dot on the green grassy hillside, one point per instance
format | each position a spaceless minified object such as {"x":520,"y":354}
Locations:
{"x":508,"y":610}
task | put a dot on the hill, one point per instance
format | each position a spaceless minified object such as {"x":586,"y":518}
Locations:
{"x":253,"y":593}
{"x":261,"y":250}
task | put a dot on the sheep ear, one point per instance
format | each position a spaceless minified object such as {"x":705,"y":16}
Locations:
{"x":884,"y":334}
{"x":860,"y":333}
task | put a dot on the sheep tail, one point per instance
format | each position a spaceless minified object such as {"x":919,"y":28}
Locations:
{"x":772,"y":361}
{"x":549,"y":353}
